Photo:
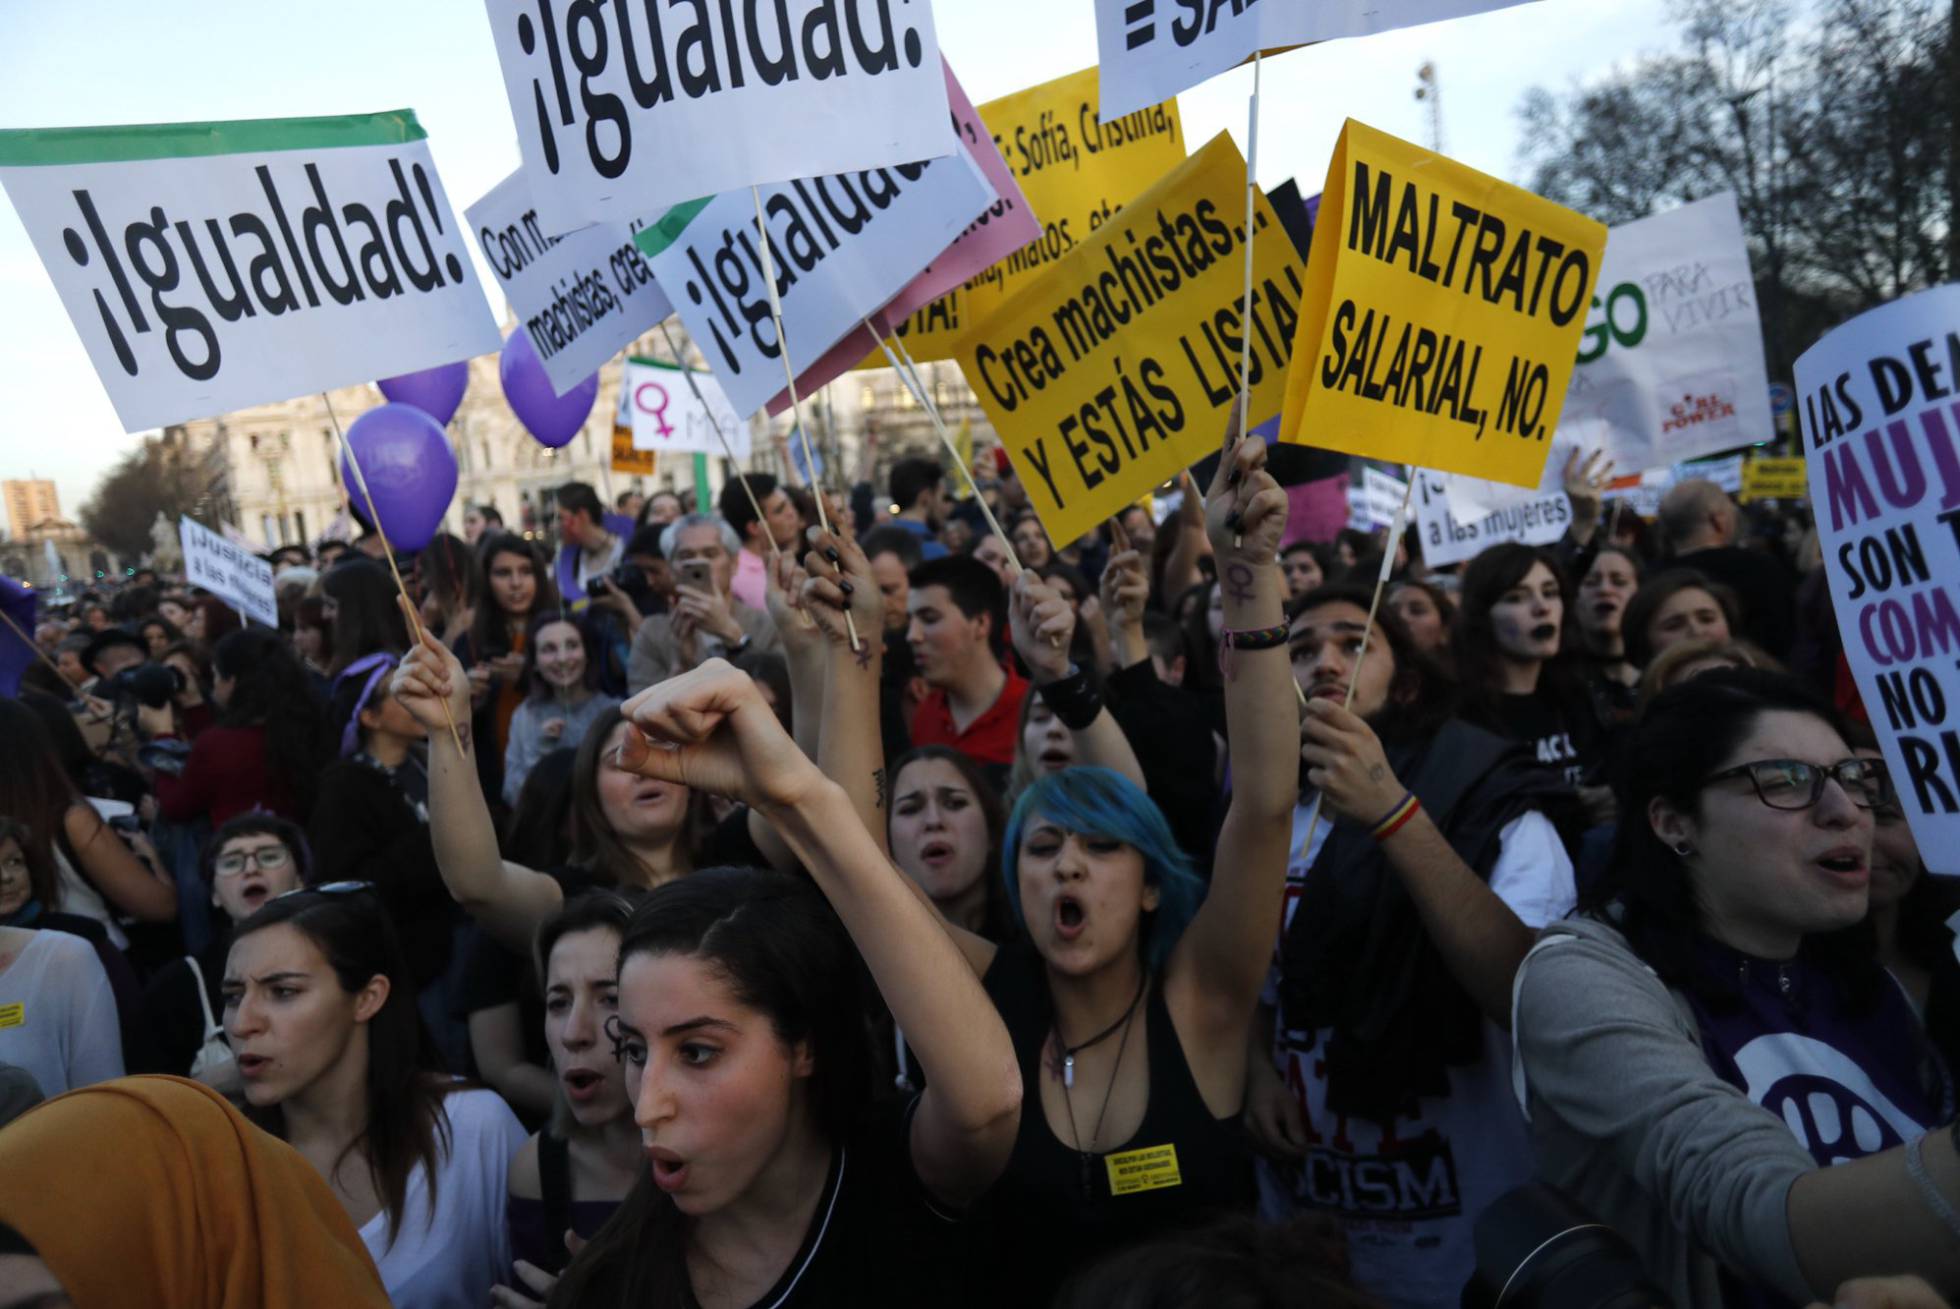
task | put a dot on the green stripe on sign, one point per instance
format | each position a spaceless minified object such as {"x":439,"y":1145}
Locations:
{"x":662,"y":363}
{"x":42,"y":146}
{"x":657,"y":236}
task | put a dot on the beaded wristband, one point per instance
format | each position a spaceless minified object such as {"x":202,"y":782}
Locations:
{"x":1392,"y":821}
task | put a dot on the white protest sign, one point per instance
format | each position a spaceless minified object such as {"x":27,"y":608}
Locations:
{"x":842,"y":247}
{"x":1671,"y":363}
{"x":624,"y":110}
{"x":1149,"y":50}
{"x":665,"y":415}
{"x":1452,"y":532}
{"x":1879,"y":401}
{"x":1374,"y":503}
{"x":213,"y":266}
{"x":229,"y":571}
{"x":581,"y":297}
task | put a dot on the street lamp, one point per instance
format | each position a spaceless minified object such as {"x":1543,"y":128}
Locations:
{"x":1429,"y":88}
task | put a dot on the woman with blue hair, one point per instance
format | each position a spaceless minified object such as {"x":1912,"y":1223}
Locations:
{"x":1129,"y":991}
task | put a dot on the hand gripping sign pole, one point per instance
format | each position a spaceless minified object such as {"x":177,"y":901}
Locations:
{"x":908,"y":373}
{"x":789,"y":373}
{"x":1367,"y":630}
{"x":374,"y":518}
{"x":720,"y":435}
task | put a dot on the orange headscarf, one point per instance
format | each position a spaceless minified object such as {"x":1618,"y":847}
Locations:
{"x":154,"y":1191}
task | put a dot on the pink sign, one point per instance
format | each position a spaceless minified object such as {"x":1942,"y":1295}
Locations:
{"x":996,"y":234}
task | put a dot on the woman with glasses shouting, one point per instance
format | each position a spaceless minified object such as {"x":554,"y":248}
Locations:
{"x":1711,"y":1056}
{"x":320,"y":1010}
{"x":247,"y":862}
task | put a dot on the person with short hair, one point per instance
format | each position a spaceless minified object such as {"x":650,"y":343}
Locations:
{"x":110,"y":650}
{"x":1703,"y":530}
{"x":245,"y":863}
{"x":478,"y":521}
{"x":759,"y":536}
{"x":918,"y":488}
{"x":1305,"y":564}
{"x":593,"y":540}
{"x":957,"y":634}
{"x":707,"y":619}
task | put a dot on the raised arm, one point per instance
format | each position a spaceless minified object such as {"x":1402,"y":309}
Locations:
{"x":130,"y":882}
{"x":710,"y":729}
{"x":1220,"y":964}
{"x":1042,"y":623}
{"x":852,"y":751}
{"x":508,"y":900}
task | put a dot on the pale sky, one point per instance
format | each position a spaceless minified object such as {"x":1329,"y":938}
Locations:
{"x":127,"y":61}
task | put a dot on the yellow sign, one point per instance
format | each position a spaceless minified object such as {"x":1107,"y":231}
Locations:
{"x":1149,"y":1169}
{"x":1775,"y":479}
{"x":1442,"y":314}
{"x":625,"y":459}
{"x":13,"y":1015}
{"x":1075,"y":171}
{"x":1118,"y":366}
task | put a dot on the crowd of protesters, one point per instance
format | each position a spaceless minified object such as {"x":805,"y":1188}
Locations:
{"x":718,"y":910}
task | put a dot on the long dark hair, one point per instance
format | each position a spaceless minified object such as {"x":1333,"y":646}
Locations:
{"x":490,"y":629}
{"x":538,"y":832}
{"x":271,"y":690}
{"x":448,"y":570}
{"x":595,"y":649}
{"x":780,"y":947}
{"x":1000,"y":923}
{"x":366,"y":619}
{"x":1688,"y":732}
{"x":1473,"y":641}
{"x":595,"y":845}
{"x":406,"y":1123}
{"x":36,"y":791}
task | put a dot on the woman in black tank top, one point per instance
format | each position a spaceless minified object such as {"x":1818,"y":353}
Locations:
{"x":1130,"y":1012}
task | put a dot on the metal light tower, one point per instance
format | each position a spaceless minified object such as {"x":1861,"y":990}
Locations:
{"x":1430,"y":88}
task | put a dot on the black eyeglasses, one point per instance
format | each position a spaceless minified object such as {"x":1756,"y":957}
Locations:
{"x":1794,"y":784}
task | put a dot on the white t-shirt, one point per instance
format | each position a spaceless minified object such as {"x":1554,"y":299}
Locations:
{"x":451,"y":1258}
{"x":79,"y":896}
{"x":57,"y":1013}
{"x":1409,"y":1191}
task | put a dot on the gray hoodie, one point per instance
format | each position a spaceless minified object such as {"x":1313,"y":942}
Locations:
{"x":1629,"y":1118}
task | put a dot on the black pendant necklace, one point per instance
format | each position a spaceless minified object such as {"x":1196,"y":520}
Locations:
{"x":1086,"y":1158}
{"x":1065,"y":1067}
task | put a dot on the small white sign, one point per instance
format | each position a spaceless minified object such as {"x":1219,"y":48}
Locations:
{"x":1479,"y":522}
{"x":581,"y":297}
{"x":666,"y":415}
{"x":229,"y":571}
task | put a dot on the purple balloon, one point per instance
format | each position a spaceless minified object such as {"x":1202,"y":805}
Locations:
{"x":411,"y":472}
{"x":437,"y":392}
{"x":552,"y":418}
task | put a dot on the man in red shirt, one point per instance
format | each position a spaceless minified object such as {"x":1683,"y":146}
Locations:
{"x":958,"y":625}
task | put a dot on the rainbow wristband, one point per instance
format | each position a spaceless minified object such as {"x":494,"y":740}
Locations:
{"x":1392,"y":822}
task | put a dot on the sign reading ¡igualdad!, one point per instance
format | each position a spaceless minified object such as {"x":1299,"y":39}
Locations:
{"x":624,"y":110}
{"x":1120,"y":364}
{"x":1442,"y":314}
{"x":213,"y":266}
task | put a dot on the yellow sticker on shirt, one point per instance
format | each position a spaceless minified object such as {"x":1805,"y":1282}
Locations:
{"x":1148,"y":1169}
{"x":15,"y":1015}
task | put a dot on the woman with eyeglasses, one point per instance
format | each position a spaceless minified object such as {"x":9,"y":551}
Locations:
{"x":1711,"y":1057}
{"x":335,"y":1062}
{"x":247,"y":862}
